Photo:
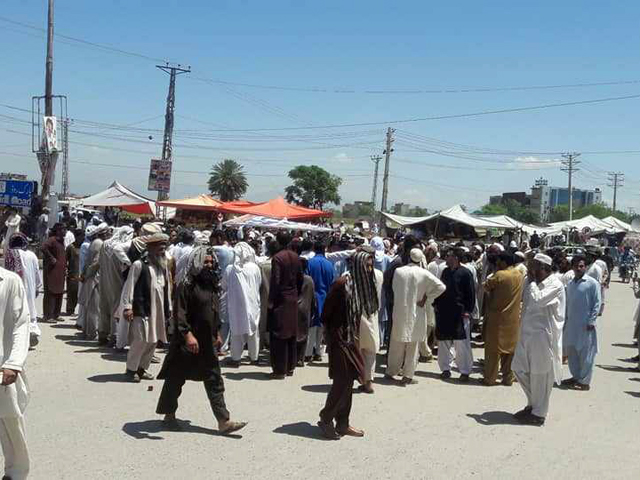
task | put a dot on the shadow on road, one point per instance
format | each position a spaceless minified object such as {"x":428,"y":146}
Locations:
{"x":301,"y":429}
{"x":316,"y":388}
{"x":114,"y":357}
{"x":432,"y":375}
{"x":64,"y":325}
{"x":624,"y":345}
{"x":494,"y":418}
{"x":615,"y":368}
{"x":247,"y":376}
{"x":635,"y":379}
{"x":109,"y":378}
{"x":633,"y":394}
{"x":149,"y":429}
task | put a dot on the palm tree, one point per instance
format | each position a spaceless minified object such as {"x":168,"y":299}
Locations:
{"x":228,"y":180}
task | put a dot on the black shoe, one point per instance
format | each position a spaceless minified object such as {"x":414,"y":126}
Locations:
{"x":290,"y":374}
{"x":103,"y":341}
{"x":144,"y":375}
{"x":525,"y":411}
{"x":446,"y":375}
{"x":132,"y":376}
{"x":232,"y":363}
{"x":569,"y":381}
{"x":317,"y":358}
{"x":463,"y":378}
{"x":531,"y":419}
{"x":307,"y":359}
{"x":33,"y":340}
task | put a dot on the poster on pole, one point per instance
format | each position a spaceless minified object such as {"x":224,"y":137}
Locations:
{"x":50,"y":134}
{"x":160,"y":175}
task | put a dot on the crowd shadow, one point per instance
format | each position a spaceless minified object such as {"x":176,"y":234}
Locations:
{"x":634,"y":379}
{"x":633,"y":394}
{"x":317,"y":364}
{"x":624,"y":345}
{"x":109,"y":378}
{"x":494,"y":418}
{"x":301,"y":429}
{"x":431,"y":375}
{"x":616,"y":368}
{"x":237,"y":376}
{"x":64,"y":326}
{"x":322,"y":388}
{"x":114,"y":357}
{"x":628,"y":360}
{"x":150,"y":429}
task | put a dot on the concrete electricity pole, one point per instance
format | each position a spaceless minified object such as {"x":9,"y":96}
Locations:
{"x":167,"y":148}
{"x":569,"y":165}
{"x":385,"y":179}
{"x":376,"y":161}
{"x":616,"y":179}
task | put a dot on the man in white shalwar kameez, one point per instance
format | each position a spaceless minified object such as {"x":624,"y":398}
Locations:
{"x":537,"y":361}
{"x":14,"y":392}
{"x":413,"y":286}
{"x":242,"y":281}
{"x":19,"y":259}
{"x":13,"y":226}
{"x":146,"y":303}
{"x":113,"y":262}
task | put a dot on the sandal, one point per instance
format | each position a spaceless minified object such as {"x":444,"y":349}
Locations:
{"x":328,"y":430}
{"x":232,"y":427}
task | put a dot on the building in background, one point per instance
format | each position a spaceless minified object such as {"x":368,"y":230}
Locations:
{"x":520,"y":197}
{"x":544,"y":198}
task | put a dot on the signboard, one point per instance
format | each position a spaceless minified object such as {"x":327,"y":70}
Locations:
{"x":50,"y":134}
{"x":160,"y":175}
{"x":16,"y":193}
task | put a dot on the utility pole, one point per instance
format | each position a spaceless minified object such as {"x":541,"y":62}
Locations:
{"x":65,"y":157}
{"x":385,"y":178}
{"x":569,"y":163}
{"x":616,"y":179}
{"x":47,"y":160}
{"x":167,"y":148}
{"x":376,"y":161}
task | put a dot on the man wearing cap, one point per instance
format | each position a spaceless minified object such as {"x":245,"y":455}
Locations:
{"x":54,"y":270}
{"x":90,"y":298}
{"x":537,"y":362}
{"x":413,"y":288}
{"x":502,"y":319}
{"x":146,"y":303}
{"x":580,"y":335}
{"x":73,"y":271}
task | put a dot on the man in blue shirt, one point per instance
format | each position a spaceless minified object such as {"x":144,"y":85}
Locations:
{"x":580,"y":335}
{"x":322,"y":272}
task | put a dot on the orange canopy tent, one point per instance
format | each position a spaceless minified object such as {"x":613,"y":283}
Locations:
{"x":201,"y":202}
{"x":276,"y":208}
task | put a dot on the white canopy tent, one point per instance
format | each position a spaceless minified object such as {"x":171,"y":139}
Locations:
{"x":590,"y":224}
{"x":119,"y":196}
{"x":273,"y":223}
{"x":617,"y":223}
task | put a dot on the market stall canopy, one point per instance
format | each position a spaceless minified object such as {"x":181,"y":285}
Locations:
{"x":273,"y":223}
{"x":276,"y":208}
{"x":594,"y":225}
{"x":504,"y":220}
{"x":617,"y":223}
{"x":119,"y":196}
{"x":455,"y":214}
{"x":201,"y":202}
{"x":405,"y":221}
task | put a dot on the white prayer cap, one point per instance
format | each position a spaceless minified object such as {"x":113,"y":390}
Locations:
{"x":432,"y":242}
{"x":89,"y":230}
{"x":464,"y":249}
{"x":513,"y":244}
{"x":520,"y":254}
{"x":542,"y":258}
{"x":416,"y":255}
{"x":103,"y":227}
{"x":498,"y":246}
{"x":478,"y":248}
{"x":150,"y":229}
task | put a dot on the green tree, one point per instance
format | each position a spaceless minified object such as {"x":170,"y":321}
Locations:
{"x":312,"y":187}
{"x":512,"y":209}
{"x":227,"y":180}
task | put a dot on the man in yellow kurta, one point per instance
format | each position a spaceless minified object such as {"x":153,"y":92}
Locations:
{"x":502,"y":318}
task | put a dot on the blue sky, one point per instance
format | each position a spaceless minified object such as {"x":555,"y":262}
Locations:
{"x":348,"y":46}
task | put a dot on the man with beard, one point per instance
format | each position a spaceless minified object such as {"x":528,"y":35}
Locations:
{"x":146,"y":304}
{"x":286,"y":285}
{"x":54,"y":270}
{"x":351,"y":296}
{"x":192,"y":353}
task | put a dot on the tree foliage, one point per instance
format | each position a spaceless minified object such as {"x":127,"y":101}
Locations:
{"x":512,"y":209}
{"x":598,"y":210}
{"x":313,"y":187}
{"x":227,"y":180}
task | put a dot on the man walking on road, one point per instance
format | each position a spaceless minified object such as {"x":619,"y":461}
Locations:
{"x":580,"y":335}
{"x":192,"y":353}
{"x":537,"y":362}
{"x":54,"y":271}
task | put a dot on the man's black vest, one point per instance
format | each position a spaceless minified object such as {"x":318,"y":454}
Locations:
{"x":142,"y":292}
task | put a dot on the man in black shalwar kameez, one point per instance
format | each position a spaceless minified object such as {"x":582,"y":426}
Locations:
{"x":192,"y":353}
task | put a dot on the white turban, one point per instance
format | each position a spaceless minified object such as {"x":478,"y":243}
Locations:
{"x":542,"y":258}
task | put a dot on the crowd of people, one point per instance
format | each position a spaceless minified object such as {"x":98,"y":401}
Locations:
{"x":205,"y":295}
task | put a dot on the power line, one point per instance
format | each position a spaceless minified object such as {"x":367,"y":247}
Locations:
{"x":570,"y":163}
{"x":616,"y":180}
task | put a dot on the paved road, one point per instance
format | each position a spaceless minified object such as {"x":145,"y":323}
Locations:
{"x":85,"y":422}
